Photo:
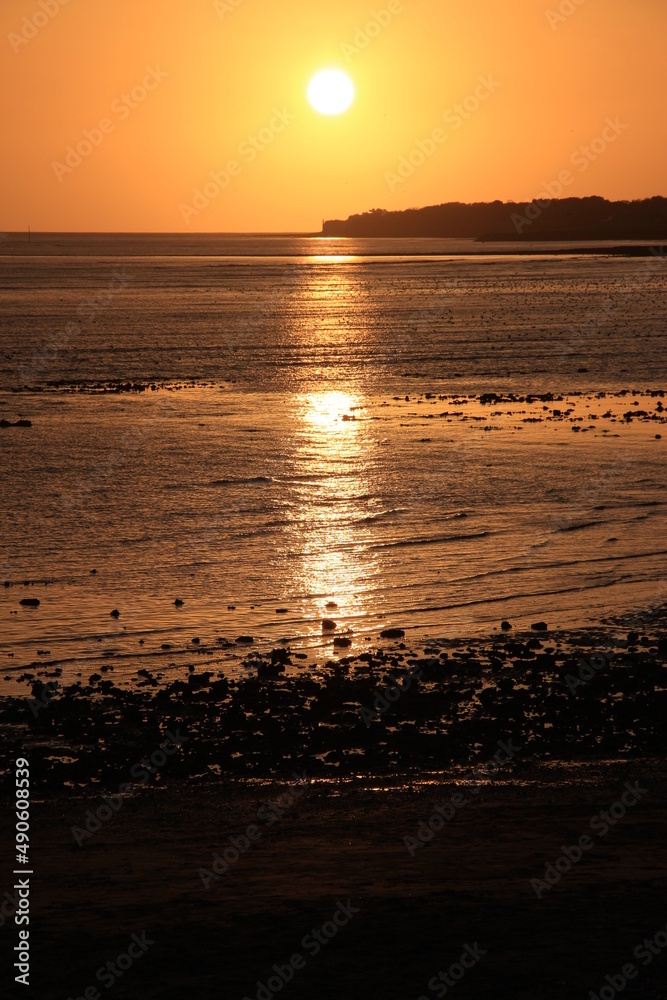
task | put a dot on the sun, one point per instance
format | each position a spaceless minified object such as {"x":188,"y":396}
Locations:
{"x":331,"y":92}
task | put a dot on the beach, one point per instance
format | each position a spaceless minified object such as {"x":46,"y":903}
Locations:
{"x":333,"y":604}
{"x":496,"y":794}
{"x":333,"y":517}
{"x":413,"y":915}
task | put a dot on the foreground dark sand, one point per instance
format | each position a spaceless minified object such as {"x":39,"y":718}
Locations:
{"x":144,"y":864}
{"x":471,"y":885}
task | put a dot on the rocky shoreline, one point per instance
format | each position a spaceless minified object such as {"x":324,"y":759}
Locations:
{"x":400,"y":712}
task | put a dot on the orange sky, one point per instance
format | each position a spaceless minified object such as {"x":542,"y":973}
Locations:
{"x":222,"y":72}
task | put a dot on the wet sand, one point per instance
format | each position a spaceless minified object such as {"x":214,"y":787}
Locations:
{"x":471,"y":885}
{"x":173,"y":813}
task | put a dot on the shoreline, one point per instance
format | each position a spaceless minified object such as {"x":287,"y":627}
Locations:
{"x":199,"y":246}
{"x":405,"y":712}
{"x":59,"y":620}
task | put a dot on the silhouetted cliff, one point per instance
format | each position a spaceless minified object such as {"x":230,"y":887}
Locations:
{"x":559,"y":219}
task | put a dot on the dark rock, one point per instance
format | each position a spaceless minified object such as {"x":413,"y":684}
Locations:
{"x":505,"y":626}
{"x":540,"y":627}
{"x":30,"y":602}
{"x":328,"y":625}
{"x":392,"y":633}
{"x":331,"y":604}
{"x":342,"y":642}
{"x":18,"y":423}
{"x":178,"y":603}
{"x":197,"y":682}
{"x":245,"y":640}
{"x":195,"y":641}
{"x":115,"y":613}
{"x":270,"y":669}
{"x":633,"y":637}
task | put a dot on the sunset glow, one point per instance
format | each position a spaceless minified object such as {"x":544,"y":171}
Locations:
{"x":133,"y":108}
{"x":332,"y":519}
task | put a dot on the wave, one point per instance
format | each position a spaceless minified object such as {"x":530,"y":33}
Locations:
{"x":241,"y":481}
{"x":581,"y":525}
{"x":434,"y":540}
{"x":630,"y":505}
{"x":381,"y":515}
{"x":559,"y":564}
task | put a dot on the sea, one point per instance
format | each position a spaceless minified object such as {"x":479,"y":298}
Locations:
{"x":240,"y":436}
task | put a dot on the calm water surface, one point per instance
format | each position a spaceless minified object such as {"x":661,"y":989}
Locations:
{"x":310,"y":434}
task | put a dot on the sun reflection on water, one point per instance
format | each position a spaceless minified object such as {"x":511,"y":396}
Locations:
{"x":333,"y":459}
{"x":332,"y":411}
{"x":332,"y":258}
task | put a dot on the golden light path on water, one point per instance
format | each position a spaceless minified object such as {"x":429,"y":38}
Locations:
{"x":334,"y":561}
{"x":332,"y":258}
{"x":334,"y":460}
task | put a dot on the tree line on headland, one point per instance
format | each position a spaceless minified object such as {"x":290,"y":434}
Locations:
{"x":592,"y":218}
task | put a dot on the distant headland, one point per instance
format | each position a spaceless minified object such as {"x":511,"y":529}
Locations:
{"x":592,"y":218}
